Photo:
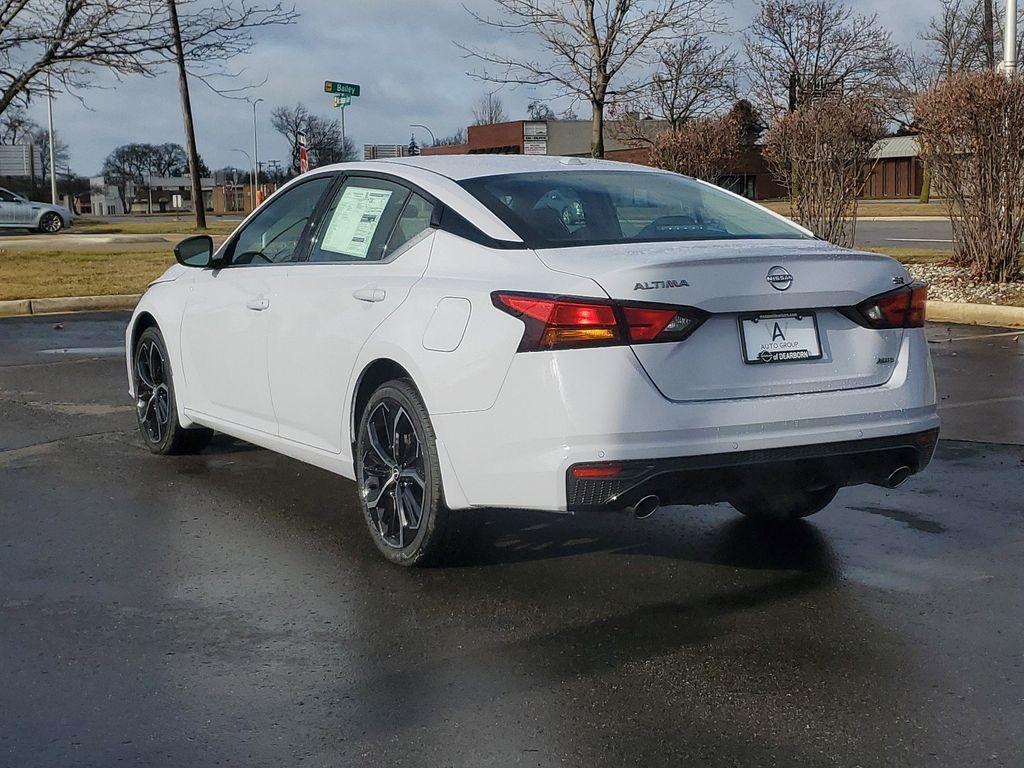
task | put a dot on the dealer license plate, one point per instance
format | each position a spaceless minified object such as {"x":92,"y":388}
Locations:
{"x":780,"y":337}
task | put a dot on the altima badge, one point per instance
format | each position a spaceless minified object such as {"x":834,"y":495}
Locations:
{"x":651,"y":285}
{"x":779,"y":278}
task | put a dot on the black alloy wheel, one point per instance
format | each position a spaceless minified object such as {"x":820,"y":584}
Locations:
{"x":155,"y":403}
{"x":399,"y":479}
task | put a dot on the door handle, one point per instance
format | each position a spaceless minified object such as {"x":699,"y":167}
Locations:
{"x":258,"y":304}
{"x":369,"y":294}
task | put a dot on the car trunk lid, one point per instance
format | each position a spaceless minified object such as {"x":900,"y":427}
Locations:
{"x":795,"y":283}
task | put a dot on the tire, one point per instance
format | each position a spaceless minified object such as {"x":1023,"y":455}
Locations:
{"x":397,"y":470}
{"x":155,"y":403}
{"x":785,"y":505}
{"x":50,"y":223}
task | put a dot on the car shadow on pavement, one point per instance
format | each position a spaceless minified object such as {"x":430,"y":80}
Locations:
{"x":503,"y":537}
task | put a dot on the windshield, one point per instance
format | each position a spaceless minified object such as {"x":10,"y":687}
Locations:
{"x":567,"y":208}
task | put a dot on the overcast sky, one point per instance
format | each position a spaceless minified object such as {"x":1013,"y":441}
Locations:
{"x":401,"y":52}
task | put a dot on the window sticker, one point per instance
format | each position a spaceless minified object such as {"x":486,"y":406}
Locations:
{"x":354,"y":221}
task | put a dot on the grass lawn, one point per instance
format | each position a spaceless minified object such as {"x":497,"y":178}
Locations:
{"x":87,"y":226}
{"x":45,"y":274}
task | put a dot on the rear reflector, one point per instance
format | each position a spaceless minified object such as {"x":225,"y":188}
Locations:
{"x":596,"y":471}
{"x":902,"y":308}
{"x":563,"y":322}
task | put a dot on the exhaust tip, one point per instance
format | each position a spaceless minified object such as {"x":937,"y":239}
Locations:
{"x":897,"y":477}
{"x":646,"y":507}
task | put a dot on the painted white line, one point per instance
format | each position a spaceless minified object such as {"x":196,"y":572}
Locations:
{"x":915,"y":240}
{"x":97,"y":351}
{"x":986,"y":401}
{"x":979,"y":336}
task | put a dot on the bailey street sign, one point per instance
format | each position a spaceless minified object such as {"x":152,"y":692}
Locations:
{"x":342,"y":89}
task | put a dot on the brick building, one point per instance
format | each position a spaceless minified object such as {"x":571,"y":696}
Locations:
{"x":750,"y":176}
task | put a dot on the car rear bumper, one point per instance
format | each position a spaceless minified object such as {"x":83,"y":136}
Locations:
{"x":716,"y":477}
{"x":556,"y":410}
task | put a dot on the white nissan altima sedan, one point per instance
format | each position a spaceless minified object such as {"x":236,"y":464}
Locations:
{"x":537,"y":332}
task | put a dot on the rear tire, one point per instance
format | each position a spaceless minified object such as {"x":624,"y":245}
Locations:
{"x":399,"y":479}
{"x":51,"y":223}
{"x":155,"y":402}
{"x":785,"y":505}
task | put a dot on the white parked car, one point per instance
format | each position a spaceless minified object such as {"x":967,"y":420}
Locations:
{"x":17,"y":212}
{"x":543,"y":333}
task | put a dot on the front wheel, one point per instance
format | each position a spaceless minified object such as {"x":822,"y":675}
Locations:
{"x":51,"y":223}
{"x":786,"y":504}
{"x":399,"y":479}
{"x":155,"y":400}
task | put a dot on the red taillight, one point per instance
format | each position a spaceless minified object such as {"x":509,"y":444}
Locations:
{"x":902,"y":308}
{"x":559,"y":322}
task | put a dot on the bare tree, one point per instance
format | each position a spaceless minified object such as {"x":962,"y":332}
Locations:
{"x":702,"y":147}
{"x":819,"y":152}
{"x":488,"y":110}
{"x":589,"y":44}
{"x":454,"y":140}
{"x":954,"y":39}
{"x":70,"y":39}
{"x":970,"y":129}
{"x":538,"y":110}
{"x":323,"y":136}
{"x":695,"y":78}
{"x":817,"y":48}
{"x":61,"y":153}
{"x":16,"y":127}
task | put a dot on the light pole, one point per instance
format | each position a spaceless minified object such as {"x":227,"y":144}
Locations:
{"x":253,"y":188}
{"x":255,"y":154}
{"x":433,"y":141}
{"x":1009,"y":65}
{"x":49,"y":127}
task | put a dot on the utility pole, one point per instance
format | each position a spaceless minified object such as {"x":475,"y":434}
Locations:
{"x":198,"y":204}
{"x":1009,"y":65}
{"x":50,"y":141}
{"x":255,"y":155}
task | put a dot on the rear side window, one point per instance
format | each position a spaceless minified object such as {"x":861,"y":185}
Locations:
{"x":566,"y":208}
{"x":359,"y":221}
{"x":415,"y":219}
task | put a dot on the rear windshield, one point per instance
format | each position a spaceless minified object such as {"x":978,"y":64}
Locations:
{"x":567,"y":208}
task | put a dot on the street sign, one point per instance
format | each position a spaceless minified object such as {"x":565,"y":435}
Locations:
{"x":342,"y":101}
{"x":344,"y":89}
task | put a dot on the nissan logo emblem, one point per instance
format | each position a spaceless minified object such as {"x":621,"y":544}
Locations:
{"x":779,"y":278}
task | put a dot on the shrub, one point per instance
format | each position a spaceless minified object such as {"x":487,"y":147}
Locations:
{"x":819,"y":153}
{"x":972,"y":137}
{"x":703,"y":147}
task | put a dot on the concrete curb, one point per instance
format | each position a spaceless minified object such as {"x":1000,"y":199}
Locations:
{"x":975,"y":314}
{"x":68,"y":304}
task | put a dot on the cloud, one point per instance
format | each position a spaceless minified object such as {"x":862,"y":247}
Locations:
{"x":402,"y":53}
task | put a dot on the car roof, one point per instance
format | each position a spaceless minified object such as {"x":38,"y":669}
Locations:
{"x":459,"y":167}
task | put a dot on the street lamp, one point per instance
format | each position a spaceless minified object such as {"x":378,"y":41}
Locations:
{"x":1009,"y":65}
{"x":253,"y":189}
{"x":433,"y":141}
{"x":255,"y":152}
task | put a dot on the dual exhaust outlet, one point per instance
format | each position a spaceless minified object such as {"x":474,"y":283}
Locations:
{"x":646,"y":507}
{"x":650,"y":504}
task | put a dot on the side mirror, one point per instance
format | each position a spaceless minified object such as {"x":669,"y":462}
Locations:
{"x":195,"y":251}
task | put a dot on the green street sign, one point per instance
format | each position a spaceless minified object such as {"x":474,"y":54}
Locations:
{"x":342,"y":101}
{"x":344,"y":89}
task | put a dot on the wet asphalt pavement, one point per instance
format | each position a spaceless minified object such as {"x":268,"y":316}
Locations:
{"x":230,"y":609}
